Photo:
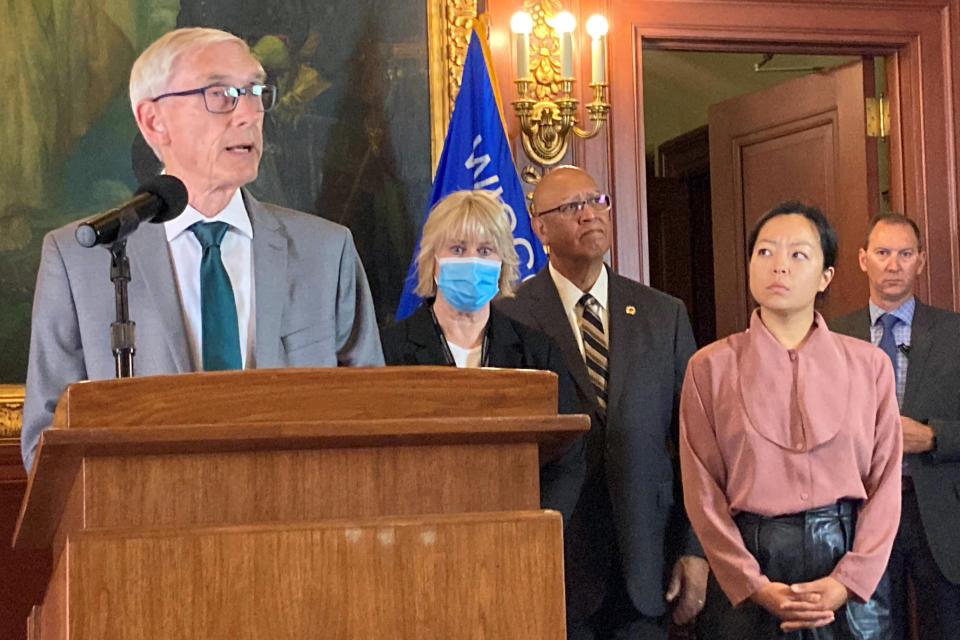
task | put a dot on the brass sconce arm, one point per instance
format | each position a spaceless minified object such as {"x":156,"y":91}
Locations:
{"x":545,"y":125}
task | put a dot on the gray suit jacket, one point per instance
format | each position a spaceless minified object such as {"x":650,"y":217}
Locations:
{"x":650,"y":343}
{"x":312,"y":302}
{"x":932,"y":396}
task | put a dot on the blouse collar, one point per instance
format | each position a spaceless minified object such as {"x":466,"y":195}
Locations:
{"x":810,"y":383}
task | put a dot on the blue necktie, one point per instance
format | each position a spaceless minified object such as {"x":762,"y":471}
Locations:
{"x":221,"y":335}
{"x":887,"y":342}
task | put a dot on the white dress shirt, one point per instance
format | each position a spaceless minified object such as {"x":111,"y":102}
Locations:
{"x":570,"y":295}
{"x":237,"y":252}
{"x":466,"y":358}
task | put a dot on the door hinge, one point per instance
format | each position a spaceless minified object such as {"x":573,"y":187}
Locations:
{"x":878,"y":117}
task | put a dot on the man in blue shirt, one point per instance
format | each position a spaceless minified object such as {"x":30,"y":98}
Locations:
{"x":923,"y":343}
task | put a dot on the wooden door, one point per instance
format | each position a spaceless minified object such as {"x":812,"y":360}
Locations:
{"x":680,"y":229}
{"x":804,"y":139}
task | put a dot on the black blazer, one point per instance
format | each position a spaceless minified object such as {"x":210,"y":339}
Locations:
{"x":932,"y":396}
{"x":650,"y":343}
{"x":511,"y":345}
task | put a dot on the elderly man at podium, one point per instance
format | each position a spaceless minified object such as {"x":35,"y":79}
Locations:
{"x":231,"y":283}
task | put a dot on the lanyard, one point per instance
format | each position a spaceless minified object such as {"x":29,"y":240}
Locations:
{"x":448,"y":356}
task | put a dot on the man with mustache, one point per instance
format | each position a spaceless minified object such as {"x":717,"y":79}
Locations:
{"x":923,"y":343}
{"x":232,"y":283}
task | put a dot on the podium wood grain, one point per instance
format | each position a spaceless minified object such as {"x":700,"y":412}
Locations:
{"x":288,"y":395}
{"x":496,"y":577}
{"x":350,"y":503}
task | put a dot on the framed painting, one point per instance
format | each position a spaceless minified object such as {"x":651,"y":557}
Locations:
{"x":366,"y":93}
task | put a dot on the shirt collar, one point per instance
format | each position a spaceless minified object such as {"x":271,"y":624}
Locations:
{"x":904,"y":312}
{"x":570,"y":293}
{"x":815,"y":378}
{"x":234,"y":214}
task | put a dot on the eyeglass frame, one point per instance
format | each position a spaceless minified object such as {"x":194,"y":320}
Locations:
{"x":241,"y":91}
{"x":579,"y":206}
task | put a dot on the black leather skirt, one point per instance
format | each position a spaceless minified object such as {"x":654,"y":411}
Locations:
{"x":797,"y":548}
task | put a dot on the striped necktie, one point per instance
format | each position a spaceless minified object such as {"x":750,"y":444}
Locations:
{"x":594,"y":346}
{"x":218,"y":308}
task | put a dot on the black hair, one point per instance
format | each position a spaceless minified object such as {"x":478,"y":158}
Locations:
{"x":893,"y":217}
{"x":828,"y":237}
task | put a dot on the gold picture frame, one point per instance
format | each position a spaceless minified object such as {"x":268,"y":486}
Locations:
{"x":448,"y":31}
{"x":11,"y":410}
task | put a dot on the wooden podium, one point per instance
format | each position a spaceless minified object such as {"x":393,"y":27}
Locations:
{"x":398,"y":502}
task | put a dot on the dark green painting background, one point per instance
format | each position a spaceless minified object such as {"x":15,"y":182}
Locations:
{"x":350,"y":141}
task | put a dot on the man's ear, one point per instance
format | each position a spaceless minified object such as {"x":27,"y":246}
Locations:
{"x":540,"y":229}
{"x":152,"y":124}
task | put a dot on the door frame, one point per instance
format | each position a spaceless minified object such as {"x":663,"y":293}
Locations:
{"x":919,"y":36}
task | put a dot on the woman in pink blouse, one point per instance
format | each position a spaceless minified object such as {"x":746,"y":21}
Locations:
{"x":790,"y":450}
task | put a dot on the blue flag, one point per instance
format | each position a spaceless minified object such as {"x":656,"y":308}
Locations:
{"x":476,"y":156}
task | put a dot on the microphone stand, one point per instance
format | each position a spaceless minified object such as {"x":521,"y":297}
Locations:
{"x":122,"y":332}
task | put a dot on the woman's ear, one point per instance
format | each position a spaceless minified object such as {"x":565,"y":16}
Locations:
{"x":826,"y":278}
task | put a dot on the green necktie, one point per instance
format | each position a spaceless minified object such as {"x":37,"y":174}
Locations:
{"x":221,"y":336}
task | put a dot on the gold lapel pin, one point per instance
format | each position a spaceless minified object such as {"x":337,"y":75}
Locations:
{"x":631,"y":310}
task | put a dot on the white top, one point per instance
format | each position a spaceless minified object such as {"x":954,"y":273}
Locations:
{"x":237,"y":252}
{"x":570,"y":295}
{"x":466,"y":358}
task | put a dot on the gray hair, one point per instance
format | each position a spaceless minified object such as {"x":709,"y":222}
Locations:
{"x":152,"y":70}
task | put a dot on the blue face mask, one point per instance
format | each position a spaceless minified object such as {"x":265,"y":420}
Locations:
{"x":468,"y":283}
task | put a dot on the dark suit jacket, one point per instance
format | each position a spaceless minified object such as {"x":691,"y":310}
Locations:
{"x":932,"y":396}
{"x":511,"y":345}
{"x":650,"y":342}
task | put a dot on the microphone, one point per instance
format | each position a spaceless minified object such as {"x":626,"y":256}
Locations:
{"x":157,"y":200}
{"x":904,"y":349}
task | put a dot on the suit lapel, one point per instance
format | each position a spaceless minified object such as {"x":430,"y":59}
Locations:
{"x":423,"y":335}
{"x":506,"y":349}
{"x":547,"y":308}
{"x":861,"y":324}
{"x":921,"y":342}
{"x":269,"y":278}
{"x":628,"y":336}
{"x":151,"y":266}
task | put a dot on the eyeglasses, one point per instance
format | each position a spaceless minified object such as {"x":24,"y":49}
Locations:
{"x":598,"y":202}
{"x":222,"y":98}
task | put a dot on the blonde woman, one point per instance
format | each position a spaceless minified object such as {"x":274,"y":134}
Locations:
{"x":466,"y":259}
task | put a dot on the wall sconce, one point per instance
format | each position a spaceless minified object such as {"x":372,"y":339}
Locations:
{"x":546,"y":124}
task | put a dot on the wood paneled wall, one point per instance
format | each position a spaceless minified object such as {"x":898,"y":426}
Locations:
{"x":920,"y":37}
{"x":23,"y":574}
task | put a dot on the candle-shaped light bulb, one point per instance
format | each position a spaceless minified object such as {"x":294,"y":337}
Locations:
{"x":564,"y":24}
{"x":597,"y":28}
{"x":522,"y":24}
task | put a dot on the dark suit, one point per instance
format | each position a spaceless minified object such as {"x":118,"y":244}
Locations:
{"x":630,"y":506}
{"x":511,"y":345}
{"x":931,"y":396}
